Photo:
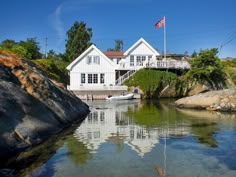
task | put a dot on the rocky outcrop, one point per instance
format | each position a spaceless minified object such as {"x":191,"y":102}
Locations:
{"x":221,"y":100}
{"x":32,"y":107}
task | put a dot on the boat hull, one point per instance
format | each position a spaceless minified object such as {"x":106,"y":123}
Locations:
{"x":121,"y":97}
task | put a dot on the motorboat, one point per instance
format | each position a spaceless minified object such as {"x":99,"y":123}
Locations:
{"x":121,"y":97}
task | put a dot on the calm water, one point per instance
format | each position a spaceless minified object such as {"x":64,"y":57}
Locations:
{"x":143,"y":139}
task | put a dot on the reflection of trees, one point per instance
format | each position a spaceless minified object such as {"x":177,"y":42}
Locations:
{"x":159,"y":114}
{"x":77,"y":151}
{"x":153,"y":114}
{"x":205,"y":132}
{"x":203,"y":125}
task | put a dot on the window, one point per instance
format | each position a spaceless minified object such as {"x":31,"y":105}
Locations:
{"x":102,"y":78}
{"x":149,"y":57}
{"x":143,"y":60}
{"x":90,"y":78}
{"x":89,"y":60}
{"x":95,"y":78}
{"x":138,"y":61}
{"x":93,"y":60}
{"x":96,"y":60}
{"x":131,"y":60}
{"x":82,"y":78}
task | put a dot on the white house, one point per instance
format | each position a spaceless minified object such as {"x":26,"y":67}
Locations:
{"x":96,"y":74}
{"x":101,"y":73}
{"x":91,"y":70}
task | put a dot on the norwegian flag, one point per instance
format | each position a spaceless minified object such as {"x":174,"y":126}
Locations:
{"x":160,"y":23}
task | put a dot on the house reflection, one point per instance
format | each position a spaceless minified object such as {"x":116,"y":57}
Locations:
{"x":113,"y":125}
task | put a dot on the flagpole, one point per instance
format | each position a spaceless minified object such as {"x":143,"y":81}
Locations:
{"x":165,"y":41}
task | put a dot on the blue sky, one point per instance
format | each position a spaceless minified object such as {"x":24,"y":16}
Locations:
{"x":190,"y":24}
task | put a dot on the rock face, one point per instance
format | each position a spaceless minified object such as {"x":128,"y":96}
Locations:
{"x":32,"y":107}
{"x":222,"y":100}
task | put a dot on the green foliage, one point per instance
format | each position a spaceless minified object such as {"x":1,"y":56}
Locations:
{"x":78,"y":153}
{"x":32,"y":48}
{"x":204,"y":132}
{"x":230,"y":69}
{"x":8,"y":44}
{"x":206,"y":67}
{"x":118,"y":46}
{"x":28,"y":49}
{"x":78,"y":40}
{"x":230,"y":63}
{"x":19,"y":50}
{"x":151,"y":81}
{"x":55,"y":69}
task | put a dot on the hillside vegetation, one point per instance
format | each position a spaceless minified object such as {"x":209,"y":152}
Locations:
{"x":152,"y":82}
{"x":55,"y":69}
{"x":230,"y":70}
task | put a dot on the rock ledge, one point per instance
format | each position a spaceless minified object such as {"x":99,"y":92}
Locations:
{"x":221,"y":100}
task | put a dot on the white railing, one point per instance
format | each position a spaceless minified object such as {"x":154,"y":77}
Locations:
{"x":121,"y":79}
{"x":169,"y":64}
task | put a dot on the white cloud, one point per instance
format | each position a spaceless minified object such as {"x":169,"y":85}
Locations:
{"x":57,"y":24}
{"x":69,"y":6}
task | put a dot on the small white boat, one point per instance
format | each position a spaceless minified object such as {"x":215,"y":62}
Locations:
{"x":121,"y":97}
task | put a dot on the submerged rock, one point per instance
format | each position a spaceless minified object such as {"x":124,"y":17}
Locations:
{"x":221,"y":100}
{"x":32,"y":107}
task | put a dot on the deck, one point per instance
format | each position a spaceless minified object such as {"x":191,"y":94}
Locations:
{"x":159,"y":64}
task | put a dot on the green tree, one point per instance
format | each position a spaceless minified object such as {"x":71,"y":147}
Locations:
{"x":207,"y":67}
{"x":8,"y":44}
{"x":51,"y":55}
{"x":118,"y":46}
{"x":194,"y":54}
{"x":32,"y":48}
{"x":78,"y":40}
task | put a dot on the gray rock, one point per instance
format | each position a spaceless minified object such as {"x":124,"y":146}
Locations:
{"x":31,"y":112}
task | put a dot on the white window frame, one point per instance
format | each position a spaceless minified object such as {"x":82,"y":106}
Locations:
{"x":131,"y":60}
{"x":93,"y":59}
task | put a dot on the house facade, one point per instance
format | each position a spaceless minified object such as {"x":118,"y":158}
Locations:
{"x":91,"y":70}
{"x":101,"y":73}
{"x":97,"y":74}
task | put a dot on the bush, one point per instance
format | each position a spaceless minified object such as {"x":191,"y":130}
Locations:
{"x":151,"y":81}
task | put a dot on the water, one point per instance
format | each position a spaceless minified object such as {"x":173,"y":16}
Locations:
{"x":143,"y":138}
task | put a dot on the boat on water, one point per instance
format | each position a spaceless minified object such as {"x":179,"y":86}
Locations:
{"x":121,"y":97}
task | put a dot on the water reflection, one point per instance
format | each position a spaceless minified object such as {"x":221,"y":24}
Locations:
{"x":140,"y":138}
{"x":205,"y":124}
{"x":133,"y":123}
